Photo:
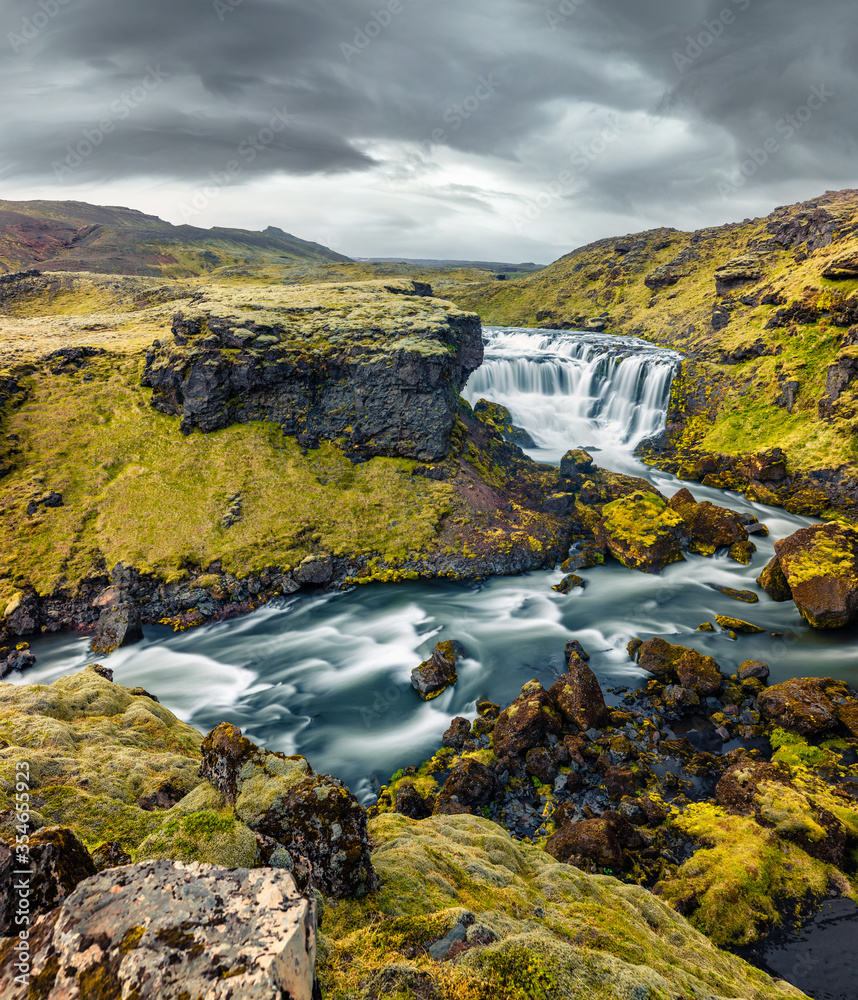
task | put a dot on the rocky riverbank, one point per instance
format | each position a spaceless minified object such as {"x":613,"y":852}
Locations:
{"x":126,"y":802}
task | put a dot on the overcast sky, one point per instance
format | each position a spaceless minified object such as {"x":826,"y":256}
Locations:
{"x":490,"y":129}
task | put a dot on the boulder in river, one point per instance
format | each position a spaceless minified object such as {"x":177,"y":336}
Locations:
{"x":709,"y":527}
{"x":117,"y":626}
{"x":773,"y":581}
{"x":738,"y":625}
{"x":642,"y":532}
{"x":436,"y":674}
{"x":820,"y":565}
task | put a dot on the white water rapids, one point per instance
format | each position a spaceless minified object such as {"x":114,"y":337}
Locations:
{"x":329,"y":676}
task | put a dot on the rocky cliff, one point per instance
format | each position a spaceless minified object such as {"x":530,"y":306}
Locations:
{"x":765,"y":310}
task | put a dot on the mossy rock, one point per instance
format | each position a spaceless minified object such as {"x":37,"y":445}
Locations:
{"x":820,"y":565}
{"x":642,"y":532}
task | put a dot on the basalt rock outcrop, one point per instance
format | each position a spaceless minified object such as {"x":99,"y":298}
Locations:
{"x":380,"y":372}
{"x":820,"y":567}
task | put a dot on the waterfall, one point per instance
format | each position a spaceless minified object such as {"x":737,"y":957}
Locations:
{"x":572,"y":389}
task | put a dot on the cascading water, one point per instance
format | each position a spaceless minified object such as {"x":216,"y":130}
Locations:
{"x":573,"y":389}
{"x":329,"y":676}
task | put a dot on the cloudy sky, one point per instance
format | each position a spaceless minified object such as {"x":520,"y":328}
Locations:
{"x":491,"y":129}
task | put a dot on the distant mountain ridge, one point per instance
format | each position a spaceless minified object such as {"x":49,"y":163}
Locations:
{"x":76,"y":236}
{"x":484,"y":265}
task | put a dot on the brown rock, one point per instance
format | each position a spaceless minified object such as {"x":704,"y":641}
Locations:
{"x":471,"y":782}
{"x":820,"y":564}
{"x":620,"y":781}
{"x":539,"y":763}
{"x":578,"y":696}
{"x":597,"y":841}
{"x":410,"y":803}
{"x":455,"y":736}
{"x":526,"y":723}
{"x":657,"y":656}
{"x":738,"y":625}
{"x":753,"y":668}
{"x":804,"y":705}
{"x":436,"y":674}
{"x":773,"y":581}
{"x":699,"y":673}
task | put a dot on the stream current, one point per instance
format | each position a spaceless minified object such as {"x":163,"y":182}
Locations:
{"x":328,"y":676}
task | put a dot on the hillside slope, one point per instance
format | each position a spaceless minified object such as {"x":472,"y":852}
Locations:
{"x":75,"y":236}
{"x":765,"y":310}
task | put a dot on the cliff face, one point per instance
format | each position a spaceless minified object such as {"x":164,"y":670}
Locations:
{"x":382,"y":386}
{"x":766,"y":311}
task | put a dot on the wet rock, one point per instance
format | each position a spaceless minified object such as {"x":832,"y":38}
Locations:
{"x":705,"y":627}
{"x":620,"y":781}
{"x":314,"y":570}
{"x":642,"y":532}
{"x":737,"y":625}
{"x":579,"y":697}
{"x":773,"y":581}
{"x":632,"y":648}
{"x":110,"y":855}
{"x":569,"y":583}
{"x":820,"y":564}
{"x":117,"y":626}
{"x":742,"y":552}
{"x":204,"y":927}
{"x":808,"y":705}
{"x":539,"y":763}
{"x":753,"y":668}
{"x":458,"y":732}
{"x":314,"y":817}
{"x":597,"y":841}
{"x":748,"y":596}
{"x":657,"y":656}
{"x":681,"y":697}
{"x":573,"y":646}
{"x":709,"y":527}
{"x":57,"y":861}
{"x":470,"y":783}
{"x":436,"y":674}
{"x":19,"y":659}
{"x":527,"y":723}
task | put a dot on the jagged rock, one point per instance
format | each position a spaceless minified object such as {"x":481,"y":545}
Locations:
{"x":500,"y":417}
{"x":773,"y":581}
{"x":409,"y":802}
{"x":455,"y":736}
{"x":748,"y":596}
{"x":844,"y":267}
{"x":162,"y":930}
{"x":737,"y":625}
{"x":657,"y":656}
{"x":737,"y":271}
{"x":568,"y":583}
{"x":117,"y":626}
{"x":539,"y":764}
{"x":436,"y":674}
{"x":57,"y":861}
{"x":642,"y":532}
{"x":314,"y":570}
{"x":698,"y":673}
{"x":302,"y":361}
{"x":710,"y":528}
{"x":840,"y":376}
{"x":110,"y":855}
{"x":18,"y":659}
{"x":527,"y":723}
{"x":597,"y":841}
{"x":573,"y":646}
{"x":810,"y":705}
{"x":578,"y":696}
{"x":820,"y":565}
{"x":315,"y":817}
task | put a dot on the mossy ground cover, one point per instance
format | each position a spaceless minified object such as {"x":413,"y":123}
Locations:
{"x":559,"y":931}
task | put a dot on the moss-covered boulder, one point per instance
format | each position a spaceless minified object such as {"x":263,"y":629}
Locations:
{"x":314,"y":817}
{"x":810,"y":705}
{"x":642,"y":532}
{"x":526,"y":723}
{"x":95,"y":751}
{"x":773,"y":581}
{"x":820,"y":565}
{"x":531,"y":927}
{"x":710,"y":527}
{"x":470,"y":785}
{"x":117,"y":626}
{"x":436,"y":674}
{"x":732,"y":624}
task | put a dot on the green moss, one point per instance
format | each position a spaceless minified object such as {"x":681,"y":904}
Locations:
{"x":792,"y":749}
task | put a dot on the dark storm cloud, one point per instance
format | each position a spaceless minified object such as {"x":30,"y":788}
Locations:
{"x":177,"y":89}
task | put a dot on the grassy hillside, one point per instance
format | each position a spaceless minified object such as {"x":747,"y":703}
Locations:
{"x":74,"y":236}
{"x":767,"y":309}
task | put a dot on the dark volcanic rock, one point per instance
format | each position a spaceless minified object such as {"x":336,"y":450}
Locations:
{"x":527,"y":723}
{"x":57,"y":861}
{"x":117,"y":626}
{"x":773,"y":581}
{"x":387,"y":394}
{"x":455,"y":736}
{"x":578,"y":696}
{"x":162,"y":930}
{"x":810,"y":705}
{"x":597,"y":841}
{"x":470,"y":784}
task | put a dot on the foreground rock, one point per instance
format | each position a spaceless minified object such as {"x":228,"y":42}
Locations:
{"x":820,"y":566}
{"x":314,"y":817}
{"x":168,"y":931}
{"x":810,"y":706}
